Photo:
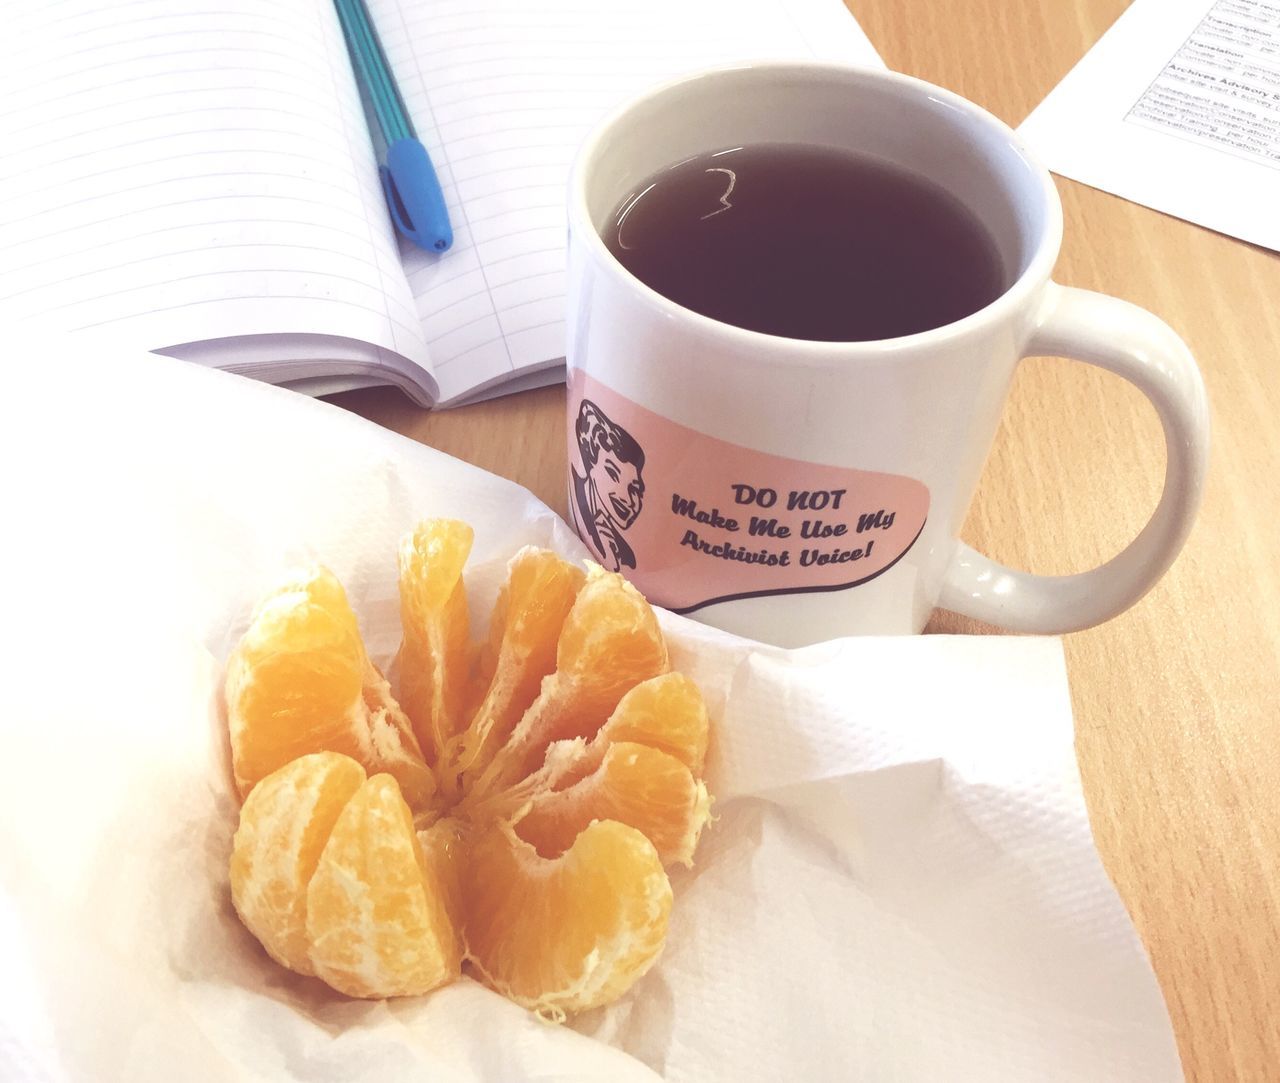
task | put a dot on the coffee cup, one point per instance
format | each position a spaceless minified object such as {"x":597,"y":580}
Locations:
{"x":794,"y":490}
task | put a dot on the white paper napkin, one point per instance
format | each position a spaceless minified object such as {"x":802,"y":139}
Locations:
{"x":900,"y":883}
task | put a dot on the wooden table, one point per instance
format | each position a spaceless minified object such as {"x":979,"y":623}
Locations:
{"x":1177,"y":702}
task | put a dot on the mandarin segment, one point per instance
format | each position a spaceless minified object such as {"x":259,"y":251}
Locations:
{"x":443,"y":846}
{"x":284,"y":825}
{"x":299,"y":681}
{"x":667,"y":713}
{"x":634,"y":785}
{"x":435,"y":658}
{"x":390,"y":732}
{"x":568,"y":934}
{"x":520,"y":651}
{"x":610,"y":642}
{"x":376,"y":915}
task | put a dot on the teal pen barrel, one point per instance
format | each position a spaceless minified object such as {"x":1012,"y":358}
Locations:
{"x":374,"y":71}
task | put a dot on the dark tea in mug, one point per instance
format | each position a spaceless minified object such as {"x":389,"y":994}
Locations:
{"x":807,"y":242}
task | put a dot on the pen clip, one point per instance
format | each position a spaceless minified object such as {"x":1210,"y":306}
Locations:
{"x":413,"y":196}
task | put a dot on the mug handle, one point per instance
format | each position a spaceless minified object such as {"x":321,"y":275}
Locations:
{"x":1134,"y":344}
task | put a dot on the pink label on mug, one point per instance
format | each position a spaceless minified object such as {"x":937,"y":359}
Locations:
{"x":693,"y":520}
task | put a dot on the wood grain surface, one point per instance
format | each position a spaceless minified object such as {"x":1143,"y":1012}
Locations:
{"x":1177,"y":702}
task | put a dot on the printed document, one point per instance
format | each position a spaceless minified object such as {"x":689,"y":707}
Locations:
{"x":1177,"y":108}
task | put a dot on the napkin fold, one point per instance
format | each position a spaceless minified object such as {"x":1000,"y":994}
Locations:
{"x":900,"y":881}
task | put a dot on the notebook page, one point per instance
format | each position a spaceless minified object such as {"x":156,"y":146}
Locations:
{"x":314,"y":364}
{"x":187,"y":170}
{"x":502,"y":92}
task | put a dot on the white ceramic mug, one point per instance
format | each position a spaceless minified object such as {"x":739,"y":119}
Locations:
{"x":793,"y":491}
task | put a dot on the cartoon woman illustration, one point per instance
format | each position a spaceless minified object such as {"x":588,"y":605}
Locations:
{"x":607,"y":489}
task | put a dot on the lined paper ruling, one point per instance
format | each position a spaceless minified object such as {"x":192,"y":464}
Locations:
{"x":200,"y":179}
{"x":191,"y":174}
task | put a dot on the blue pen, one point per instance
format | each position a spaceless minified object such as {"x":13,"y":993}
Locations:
{"x":408,"y":177}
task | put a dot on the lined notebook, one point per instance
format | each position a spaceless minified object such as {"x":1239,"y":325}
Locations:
{"x":199,"y":179}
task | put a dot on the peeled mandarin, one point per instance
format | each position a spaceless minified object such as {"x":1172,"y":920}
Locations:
{"x":666,"y":713}
{"x":521,"y":651}
{"x":435,"y":658}
{"x":299,"y":681}
{"x":634,"y":785}
{"x":377,"y":919}
{"x":610,"y":642}
{"x":551,"y":772}
{"x":284,"y":825}
{"x":567,"y":934}
{"x":443,"y":846}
